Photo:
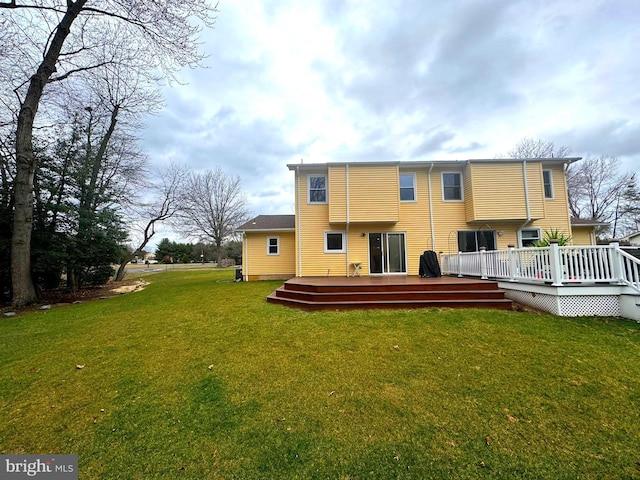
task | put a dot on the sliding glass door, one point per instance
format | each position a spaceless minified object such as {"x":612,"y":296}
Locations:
{"x":387,"y":253}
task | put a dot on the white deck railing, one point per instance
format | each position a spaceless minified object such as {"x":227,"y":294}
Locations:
{"x":554,"y":264}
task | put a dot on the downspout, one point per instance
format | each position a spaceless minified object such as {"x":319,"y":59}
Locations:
{"x":433,"y":234}
{"x":346,"y":183}
{"x":298,"y":225}
{"x":245,"y":266}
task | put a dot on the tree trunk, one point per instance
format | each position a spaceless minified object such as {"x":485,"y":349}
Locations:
{"x":24,"y":292}
{"x":149,"y":232}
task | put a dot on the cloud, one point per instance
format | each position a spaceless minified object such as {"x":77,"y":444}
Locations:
{"x":348,"y":80}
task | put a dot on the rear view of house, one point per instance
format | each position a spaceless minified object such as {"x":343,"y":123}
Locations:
{"x":377,"y":218}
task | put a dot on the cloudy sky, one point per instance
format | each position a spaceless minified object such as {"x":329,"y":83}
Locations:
{"x":354,"y":80}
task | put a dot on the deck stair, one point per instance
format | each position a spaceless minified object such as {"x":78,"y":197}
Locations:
{"x":339,"y":293}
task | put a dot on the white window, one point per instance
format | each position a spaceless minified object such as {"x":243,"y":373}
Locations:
{"x":334,"y":242}
{"x":407,"y":187}
{"x":548,"y":183}
{"x":317,"y":188}
{"x":529,"y":236}
{"x":452,"y":186}
{"x":273,"y":245}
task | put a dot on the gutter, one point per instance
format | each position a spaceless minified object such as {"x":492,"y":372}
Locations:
{"x":433,"y":234}
{"x":245,"y":249}
{"x":346,"y":183}
{"x":298,"y":226}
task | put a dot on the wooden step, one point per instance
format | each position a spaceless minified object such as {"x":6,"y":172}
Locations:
{"x":358,"y":296}
{"x":499,"y":304}
{"x":325,"y":293}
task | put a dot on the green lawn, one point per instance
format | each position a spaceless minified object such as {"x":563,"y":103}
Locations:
{"x":198,"y":377}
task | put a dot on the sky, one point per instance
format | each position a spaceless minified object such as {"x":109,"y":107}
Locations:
{"x":369,"y":80}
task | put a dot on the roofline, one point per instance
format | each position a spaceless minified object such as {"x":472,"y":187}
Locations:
{"x":265,"y":230}
{"x":427,"y":163}
{"x":592,"y":224}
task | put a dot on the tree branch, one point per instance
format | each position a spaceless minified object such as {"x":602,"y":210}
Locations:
{"x":77,"y":70}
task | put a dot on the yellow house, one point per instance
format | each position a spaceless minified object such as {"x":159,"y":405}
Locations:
{"x":377,"y":218}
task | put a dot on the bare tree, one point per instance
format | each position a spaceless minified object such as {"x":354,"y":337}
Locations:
{"x":530,"y":148}
{"x":598,"y":191}
{"x":214,"y":206}
{"x":165,"y":203}
{"x":58,"y":40}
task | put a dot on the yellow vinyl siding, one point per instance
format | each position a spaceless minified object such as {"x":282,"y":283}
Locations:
{"x":582,"y":236}
{"x":337,"y":194}
{"x":493,"y":199}
{"x":313,"y":221}
{"x":497,"y":192}
{"x":374,"y":193}
{"x":468,"y":193}
{"x":448,"y":217}
{"x":535,"y":185}
{"x":256,"y":262}
{"x":415,"y":221}
{"x":556,"y":209}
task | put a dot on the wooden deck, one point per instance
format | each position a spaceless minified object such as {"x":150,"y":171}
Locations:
{"x":389,"y":291}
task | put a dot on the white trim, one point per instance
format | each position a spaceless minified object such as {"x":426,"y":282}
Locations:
{"x":263,"y":230}
{"x":347,"y":265}
{"x":277,"y":245}
{"x":298,"y":224}
{"x":461,"y":199}
{"x":344,"y":241}
{"x":415,"y":187}
{"x":245,"y":259}
{"x":326,"y":188}
{"x":544,"y":192}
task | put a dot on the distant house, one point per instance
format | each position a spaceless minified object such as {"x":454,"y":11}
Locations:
{"x":377,"y":218}
{"x":584,"y":231}
{"x":268,"y":246}
{"x":633,"y":239}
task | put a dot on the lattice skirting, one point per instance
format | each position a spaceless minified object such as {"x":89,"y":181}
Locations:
{"x":569,"y":305}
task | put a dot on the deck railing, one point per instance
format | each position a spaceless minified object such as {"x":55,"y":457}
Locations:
{"x":554,"y":264}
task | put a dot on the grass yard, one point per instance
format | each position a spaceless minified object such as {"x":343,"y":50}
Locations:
{"x":197,"y":377}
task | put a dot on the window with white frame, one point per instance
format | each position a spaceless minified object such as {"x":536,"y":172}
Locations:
{"x":273,"y":245}
{"x":548,"y":183}
{"x":334,"y":242}
{"x":451,"y":186}
{"x":407,"y":187}
{"x":317,"y":188}
{"x":529,"y":236}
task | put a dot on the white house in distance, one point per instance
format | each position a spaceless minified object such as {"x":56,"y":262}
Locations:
{"x":633,"y":239}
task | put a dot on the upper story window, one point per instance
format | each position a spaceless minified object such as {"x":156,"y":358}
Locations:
{"x":407,"y":187}
{"x":317,"y":188}
{"x":452,"y":186}
{"x":273,"y":245}
{"x":548,"y":183}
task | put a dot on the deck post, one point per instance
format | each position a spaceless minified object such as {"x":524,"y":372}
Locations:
{"x":459,"y":264}
{"x":616,"y":262}
{"x":483,"y":263}
{"x":511,"y":263}
{"x":555,"y":264}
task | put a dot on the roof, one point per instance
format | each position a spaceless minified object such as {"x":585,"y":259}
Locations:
{"x":269,"y":222}
{"x":587,"y":222}
{"x":631,"y":235}
{"x":429,"y":163}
